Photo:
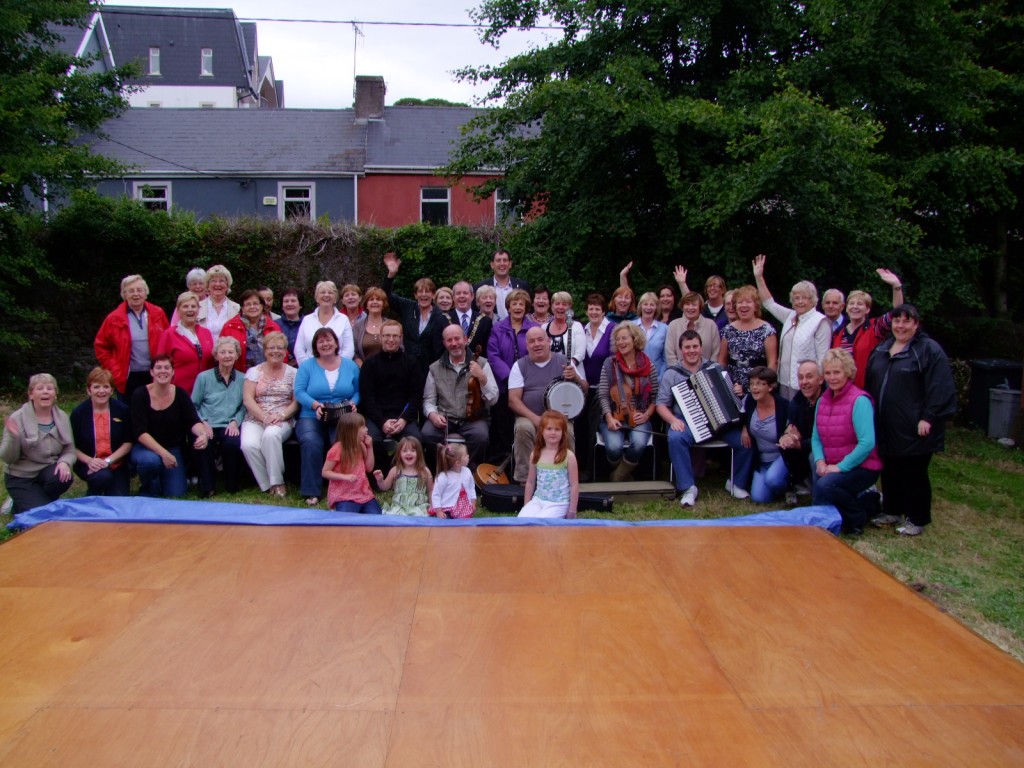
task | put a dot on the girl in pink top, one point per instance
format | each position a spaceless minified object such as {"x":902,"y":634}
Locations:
{"x":347,"y":465}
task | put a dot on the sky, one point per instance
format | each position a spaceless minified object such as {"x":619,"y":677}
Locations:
{"x":315,"y":61}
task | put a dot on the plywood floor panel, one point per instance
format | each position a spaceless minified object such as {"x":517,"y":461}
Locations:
{"x":164,"y":645}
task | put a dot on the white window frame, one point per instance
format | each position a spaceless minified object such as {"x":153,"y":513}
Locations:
{"x":141,"y":191}
{"x":154,"y":60}
{"x":447,"y":201}
{"x":283,"y":189}
{"x":206,"y":62}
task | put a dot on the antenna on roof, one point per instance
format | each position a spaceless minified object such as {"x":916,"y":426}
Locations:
{"x":356,"y":34}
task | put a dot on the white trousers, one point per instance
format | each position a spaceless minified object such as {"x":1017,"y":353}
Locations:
{"x":263,"y":451}
{"x":541,"y":508}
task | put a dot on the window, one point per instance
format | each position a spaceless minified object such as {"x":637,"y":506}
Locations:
{"x":434,"y":205}
{"x":154,"y":61}
{"x":296,"y":201}
{"x":206,"y":62}
{"x":504,"y":213}
{"x":154,"y":195}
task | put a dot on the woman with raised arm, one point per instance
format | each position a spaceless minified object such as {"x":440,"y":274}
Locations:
{"x":806,"y":333}
{"x":748,"y":341}
{"x":862,"y":334}
{"x":420,"y":319}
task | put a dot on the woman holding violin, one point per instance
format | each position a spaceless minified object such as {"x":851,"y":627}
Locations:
{"x":627,"y":392}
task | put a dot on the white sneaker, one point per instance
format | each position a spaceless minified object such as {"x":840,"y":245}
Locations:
{"x":736,"y":493}
{"x":7,"y":507}
{"x":689,"y":496}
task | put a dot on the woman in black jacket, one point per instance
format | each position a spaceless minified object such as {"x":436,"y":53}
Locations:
{"x":912,"y":385}
{"x":103,"y":437}
{"x":765,"y":415}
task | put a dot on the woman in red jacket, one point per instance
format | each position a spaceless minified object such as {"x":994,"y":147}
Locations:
{"x":249,"y":328}
{"x":129,"y":337}
{"x":861,"y":334}
{"x":189,"y":345}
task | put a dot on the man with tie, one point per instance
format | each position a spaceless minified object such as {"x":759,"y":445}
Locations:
{"x":681,"y":438}
{"x":475,"y":326}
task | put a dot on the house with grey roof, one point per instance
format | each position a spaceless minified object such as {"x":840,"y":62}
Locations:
{"x":367,"y":165}
{"x":188,"y":57}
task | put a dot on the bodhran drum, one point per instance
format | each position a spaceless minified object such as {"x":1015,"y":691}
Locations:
{"x":566,"y":397}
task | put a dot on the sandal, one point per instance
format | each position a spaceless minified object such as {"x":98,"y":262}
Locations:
{"x":279,"y":491}
{"x":312,"y":501}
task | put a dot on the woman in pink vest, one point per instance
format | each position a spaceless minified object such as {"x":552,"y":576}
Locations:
{"x":845,"y":460}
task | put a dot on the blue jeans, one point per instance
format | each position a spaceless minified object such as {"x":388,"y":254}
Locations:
{"x":615,"y":442}
{"x":371,"y":507}
{"x":679,"y":444}
{"x":156,"y":479}
{"x":314,"y":438}
{"x":769,"y":481}
{"x":842,"y":490}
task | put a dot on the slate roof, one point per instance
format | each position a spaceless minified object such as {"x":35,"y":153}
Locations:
{"x":227,"y":142}
{"x":414,"y":137}
{"x":181,"y":34}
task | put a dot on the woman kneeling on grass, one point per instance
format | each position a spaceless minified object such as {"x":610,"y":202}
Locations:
{"x":103,"y":437}
{"x":38,"y":448}
{"x":845,"y":460}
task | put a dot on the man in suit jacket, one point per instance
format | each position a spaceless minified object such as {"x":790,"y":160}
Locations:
{"x":476,"y":326}
{"x":502,"y":280}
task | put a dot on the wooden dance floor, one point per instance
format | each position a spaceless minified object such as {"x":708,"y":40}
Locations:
{"x":202,"y":645}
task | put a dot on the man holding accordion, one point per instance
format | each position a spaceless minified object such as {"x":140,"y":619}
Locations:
{"x":681,"y":436}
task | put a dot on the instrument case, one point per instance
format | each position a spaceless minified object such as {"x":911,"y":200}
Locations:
{"x":509,"y":498}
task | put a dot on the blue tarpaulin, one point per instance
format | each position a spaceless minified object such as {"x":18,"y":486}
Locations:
{"x":139,"y":509}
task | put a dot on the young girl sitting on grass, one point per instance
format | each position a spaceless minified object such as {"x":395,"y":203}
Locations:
{"x":410,"y":478}
{"x":346,"y":468}
{"x":553,"y":485}
{"x":454,"y":494}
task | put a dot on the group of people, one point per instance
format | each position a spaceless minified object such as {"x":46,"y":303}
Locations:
{"x":490,"y":372}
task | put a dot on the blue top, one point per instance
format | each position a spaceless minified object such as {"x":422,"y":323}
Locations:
{"x":311,"y":385}
{"x":655,"y":348}
{"x":863,"y":425}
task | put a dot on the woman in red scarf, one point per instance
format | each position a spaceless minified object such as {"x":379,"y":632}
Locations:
{"x":627,"y":392}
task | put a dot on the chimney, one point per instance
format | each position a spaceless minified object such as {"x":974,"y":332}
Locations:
{"x":370,"y":90}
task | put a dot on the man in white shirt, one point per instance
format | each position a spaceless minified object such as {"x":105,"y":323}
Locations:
{"x":502,"y":280}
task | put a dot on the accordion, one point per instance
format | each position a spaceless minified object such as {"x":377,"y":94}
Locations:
{"x":707,"y":402}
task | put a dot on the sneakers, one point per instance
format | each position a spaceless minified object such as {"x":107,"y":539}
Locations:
{"x":909,"y":529}
{"x":880,"y":521}
{"x":736,"y":493}
{"x":689,"y":497}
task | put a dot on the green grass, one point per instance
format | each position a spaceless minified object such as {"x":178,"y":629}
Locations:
{"x":969,"y":562}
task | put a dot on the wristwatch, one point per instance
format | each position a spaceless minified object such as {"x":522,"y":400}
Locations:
{"x":107,"y":462}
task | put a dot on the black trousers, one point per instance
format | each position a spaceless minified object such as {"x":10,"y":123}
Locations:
{"x":906,"y":489}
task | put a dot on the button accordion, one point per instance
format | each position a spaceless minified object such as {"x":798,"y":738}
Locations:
{"x":707,"y":402}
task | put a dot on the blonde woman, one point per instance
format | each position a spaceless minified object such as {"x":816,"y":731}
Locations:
{"x":216,"y":309}
{"x":326,"y":315}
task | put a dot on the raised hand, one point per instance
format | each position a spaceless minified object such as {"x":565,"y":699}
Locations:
{"x":889,"y":277}
{"x":758,"y":265}
{"x":392,"y":262}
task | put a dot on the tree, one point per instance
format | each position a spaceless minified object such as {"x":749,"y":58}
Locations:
{"x":826,"y":133}
{"x":49,"y":99}
{"x":410,"y":101}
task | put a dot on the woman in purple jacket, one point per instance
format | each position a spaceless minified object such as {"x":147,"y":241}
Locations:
{"x":507,"y":343}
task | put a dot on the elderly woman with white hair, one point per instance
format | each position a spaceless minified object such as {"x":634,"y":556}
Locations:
{"x":38,"y":448}
{"x":216,"y":309}
{"x":806,"y":333}
{"x":217,"y":396}
{"x":130,"y":336}
{"x":326,"y":315}
{"x":195,"y":281}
